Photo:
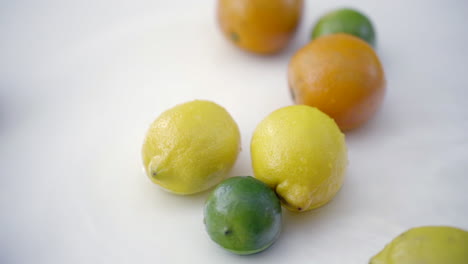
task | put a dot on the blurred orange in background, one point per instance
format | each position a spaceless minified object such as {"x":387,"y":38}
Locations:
{"x":260,"y":26}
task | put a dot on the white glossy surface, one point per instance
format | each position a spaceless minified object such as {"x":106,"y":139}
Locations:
{"x":80,"y":81}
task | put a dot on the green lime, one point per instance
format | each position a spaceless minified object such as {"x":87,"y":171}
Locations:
{"x":345,"y":20}
{"x":243,"y":215}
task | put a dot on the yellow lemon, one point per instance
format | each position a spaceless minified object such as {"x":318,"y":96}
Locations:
{"x":301,"y":153}
{"x":191,"y":147}
{"x":428,"y":245}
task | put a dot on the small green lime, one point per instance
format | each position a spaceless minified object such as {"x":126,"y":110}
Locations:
{"x":243,"y":215}
{"x":345,"y":20}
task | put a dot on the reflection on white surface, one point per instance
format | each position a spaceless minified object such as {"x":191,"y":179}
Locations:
{"x":81,"y":81}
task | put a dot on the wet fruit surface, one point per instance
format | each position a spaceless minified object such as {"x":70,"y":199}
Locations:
{"x":341,"y":75}
{"x":243,"y":215}
{"x":191,"y":147}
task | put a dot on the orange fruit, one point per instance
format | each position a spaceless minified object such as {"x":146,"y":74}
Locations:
{"x":341,"y":75}
{"x":259,"y":26}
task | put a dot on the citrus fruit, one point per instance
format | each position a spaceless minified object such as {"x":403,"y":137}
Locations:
{"x":301,"y":153}
{"x":345,"y":20}
{"x":428,"y":245}
{"x":243,"y":215}
{"x":259,"y":26}
{"x":191,"y":147}
{"x":341,"y":75}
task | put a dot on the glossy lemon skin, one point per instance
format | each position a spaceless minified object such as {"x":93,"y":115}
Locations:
{"x":301,"y":153}
{"x":191,"y":147}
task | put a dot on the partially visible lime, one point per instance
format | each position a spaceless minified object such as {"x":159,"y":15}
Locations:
{"x":345,"y":20}
{"x":191,"y":147}
{"x":428,"y":245}
{"x":243,"y":215}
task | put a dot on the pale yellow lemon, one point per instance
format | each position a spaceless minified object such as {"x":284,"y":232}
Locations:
{"x":191,"y":147}
{"x":428,"y":245}
{"x":301,"y":153}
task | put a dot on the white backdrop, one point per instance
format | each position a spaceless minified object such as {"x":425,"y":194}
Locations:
{"x":80,"y":81}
